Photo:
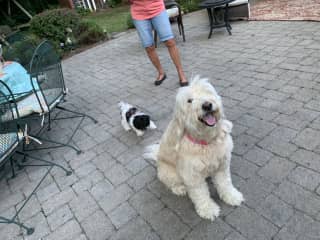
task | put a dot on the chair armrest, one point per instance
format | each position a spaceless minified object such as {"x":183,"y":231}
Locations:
{"x":34,"y":79}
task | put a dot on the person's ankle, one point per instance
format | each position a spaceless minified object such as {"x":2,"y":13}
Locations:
{"x":161,"y":75}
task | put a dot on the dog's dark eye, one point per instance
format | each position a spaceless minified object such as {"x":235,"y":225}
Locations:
{"x":190,"y":100}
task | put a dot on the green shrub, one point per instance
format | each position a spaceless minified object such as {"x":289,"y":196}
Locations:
{"x":83,"y":11}
{"x":54,"y":24}
{"x":189,"y":5}
{"x":130,"y":21}
{"x":113,"y":3}
{"x":5,"y":30}
{"x":6,"y":20}
{"x":90,"y":32}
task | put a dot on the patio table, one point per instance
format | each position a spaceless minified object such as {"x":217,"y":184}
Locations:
{"x":212,"y":6}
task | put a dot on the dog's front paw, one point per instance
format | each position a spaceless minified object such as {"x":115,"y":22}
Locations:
{"x":209,"y":210}
{"x":139,"y":133}
{"x":179,"y":190}
{"x":232,"y":197}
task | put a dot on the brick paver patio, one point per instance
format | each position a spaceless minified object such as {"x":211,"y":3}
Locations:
{"x":268,"y":74}
{"x":285,"y":10}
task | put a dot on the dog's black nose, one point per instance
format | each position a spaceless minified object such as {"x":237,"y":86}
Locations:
{"x":207,"y":106}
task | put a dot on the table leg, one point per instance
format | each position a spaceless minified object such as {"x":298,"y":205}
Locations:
{"x":226,"y":19}
{"x":209,"y":10}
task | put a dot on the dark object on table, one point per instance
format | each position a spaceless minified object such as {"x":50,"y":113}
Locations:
{"x":174,"y":12}
{"x":214,"y":9}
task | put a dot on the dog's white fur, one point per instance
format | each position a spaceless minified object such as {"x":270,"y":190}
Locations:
{"x":184,"y":165}
{"x":128,"y":125}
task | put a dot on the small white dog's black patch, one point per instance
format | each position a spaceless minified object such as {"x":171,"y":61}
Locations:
{"x":132,"y":118}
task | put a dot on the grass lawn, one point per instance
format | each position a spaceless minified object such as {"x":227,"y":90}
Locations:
{"x":111,"y":19}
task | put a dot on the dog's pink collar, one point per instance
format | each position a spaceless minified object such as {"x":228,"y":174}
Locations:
{"x":196,"y":141}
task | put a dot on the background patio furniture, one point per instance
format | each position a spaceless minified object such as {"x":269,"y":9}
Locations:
{"x":174,"y":13}
{"x":12,"y":133}
{"x":239,"y":10}
{"x":8,"y":140}
{"x":214,"y":7}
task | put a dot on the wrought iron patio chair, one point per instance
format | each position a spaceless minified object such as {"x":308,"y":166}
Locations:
{"x":49,"y":86}
{"x":174,"y":13}
{"x":12,"y":133}
{"x":19,"y":48}
{"x":9,"y":141}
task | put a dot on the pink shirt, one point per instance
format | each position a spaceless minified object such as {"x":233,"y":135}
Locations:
{"x":146,"y":9}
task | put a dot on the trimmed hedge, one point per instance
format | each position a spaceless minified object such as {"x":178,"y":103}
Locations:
{"x":189,"y":5}
{"x":90,"y":32}
{"x":55,"y":24}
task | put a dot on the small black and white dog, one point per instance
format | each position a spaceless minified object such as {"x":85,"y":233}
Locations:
{"x":132,"y":118}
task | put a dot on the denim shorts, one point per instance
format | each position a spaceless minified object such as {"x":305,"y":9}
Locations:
{"x":160,"y":23}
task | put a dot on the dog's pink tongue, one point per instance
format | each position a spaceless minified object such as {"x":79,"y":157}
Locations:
{"x":210,"y":119}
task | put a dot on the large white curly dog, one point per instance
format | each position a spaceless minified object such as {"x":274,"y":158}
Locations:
{"x":197,"y":144}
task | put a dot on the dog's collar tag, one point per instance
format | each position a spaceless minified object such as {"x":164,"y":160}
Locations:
{"x":196,"y":141}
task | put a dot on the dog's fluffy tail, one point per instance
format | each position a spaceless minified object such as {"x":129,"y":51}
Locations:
{"x":151,"y":152}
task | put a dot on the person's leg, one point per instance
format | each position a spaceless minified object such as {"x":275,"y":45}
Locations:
{"x":174,"y":54}
{"x":153,"y":56}
{"x":144,"y":29}
{"x":162,"y":25}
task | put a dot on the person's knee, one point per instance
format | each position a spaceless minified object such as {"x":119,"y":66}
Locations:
{"x":150,"y":49}
{"x":170,"y":43}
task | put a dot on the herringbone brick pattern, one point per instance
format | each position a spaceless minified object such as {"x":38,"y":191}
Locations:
{"x":285,"y":10}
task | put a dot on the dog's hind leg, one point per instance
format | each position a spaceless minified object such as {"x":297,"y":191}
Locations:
{"x":167,"y":174}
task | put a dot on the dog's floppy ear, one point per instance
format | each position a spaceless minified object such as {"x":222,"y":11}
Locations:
{"x":170,"y":141}
{"x":176,"y":127}
{"x":178,"y":131}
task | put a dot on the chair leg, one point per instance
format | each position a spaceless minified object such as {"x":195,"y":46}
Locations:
{"x":49,"y":121}
{"x":182,"y":29}
{"x":226,"y":19}
{"x":75,"y":112}
{"x":67,"y":144}
{"x":12,"y":221}
{"x":59,"y":145}
{"x":155,"y":38}
{"x":179,"y":25}
{"x":12,"y":168}
{"x":46,"y":163}
{"x":210,"y":14}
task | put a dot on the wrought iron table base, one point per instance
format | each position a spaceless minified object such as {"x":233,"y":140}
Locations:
{"x":212,"y":13}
